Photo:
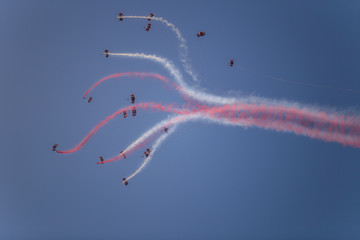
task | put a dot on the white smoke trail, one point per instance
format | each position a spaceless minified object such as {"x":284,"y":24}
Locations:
{"x":184,"y":49}
{"x":174,"y":121}
{"x":200,"y":96}
{"x":224,"y":120}
{"x":154,"y":147}
{"x":213,"y":99}
{"x":146,"y":135}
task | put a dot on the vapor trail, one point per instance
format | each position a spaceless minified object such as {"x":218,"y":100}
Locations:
{"x":301,"y":83}
{"x":184,"y":49}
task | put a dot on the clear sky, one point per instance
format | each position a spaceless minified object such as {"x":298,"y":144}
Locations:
{"x":206,"y":181}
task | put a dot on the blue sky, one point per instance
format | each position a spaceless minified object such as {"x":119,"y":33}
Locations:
{"x":206,"y":181}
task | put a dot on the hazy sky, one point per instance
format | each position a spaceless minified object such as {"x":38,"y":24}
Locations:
{"x":206,"y":181}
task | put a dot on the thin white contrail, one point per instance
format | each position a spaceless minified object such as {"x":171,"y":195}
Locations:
{"x":184,"y":49}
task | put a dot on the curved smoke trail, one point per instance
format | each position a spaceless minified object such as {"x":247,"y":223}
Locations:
{"x":154,"y":147}
{"x":184,"y":49}
{"x":200,"y":96}
{"x":127,"y":74}
{"x":151,"y":105}
{"x":175,"y":121}
{"x":189,"y":116}
{"x":206,"y":97}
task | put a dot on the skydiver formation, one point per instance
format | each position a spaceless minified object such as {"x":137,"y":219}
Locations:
{"x":148,"y":26}
{"x":262,"y":113}
{"x":120,"y":16}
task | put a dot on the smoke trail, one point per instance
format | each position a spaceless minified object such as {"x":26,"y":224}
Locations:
{"x":200,"y":96}
{"x":140,"y":140}
{"x":153,"y":106}
{"x":184,"y":49}
{"x":127,"y":74}
{"x":196,"y":94}
{"x":321,"y":125}
{"x":344,"y":130}
{"x":212,"y":99}
{"x":154,"y":147}
{"x":270,"y":123}
{"x":168,"y":123}
{"x":149,"y":133}
{"x":175,"y":121}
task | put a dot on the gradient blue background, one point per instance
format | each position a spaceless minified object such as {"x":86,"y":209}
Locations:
{"x":206,"y":181}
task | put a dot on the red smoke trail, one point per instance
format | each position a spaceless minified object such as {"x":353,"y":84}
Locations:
{"x":174,"y":85}
{"x":320,"y":125}
{"x":127,"y":74}
{"x":314,"y":125}
{"x":328,"y":127}
{"x":149,"y":105}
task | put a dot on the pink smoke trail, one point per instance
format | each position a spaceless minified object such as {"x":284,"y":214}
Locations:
{"x":321,"y":125}
{"x":149,"y":105}
{"x":127,"y":74}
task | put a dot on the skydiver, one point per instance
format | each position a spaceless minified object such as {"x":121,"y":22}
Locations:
{"x":132,"y":98}
{"x":123,"y":154}
{"x":89,"y":100}
{"x":231,"y":62}
{"x":101,"y":160}
{"x":200,"y":34}
{"x":120,"y":15}
{"x":54,"y":147}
